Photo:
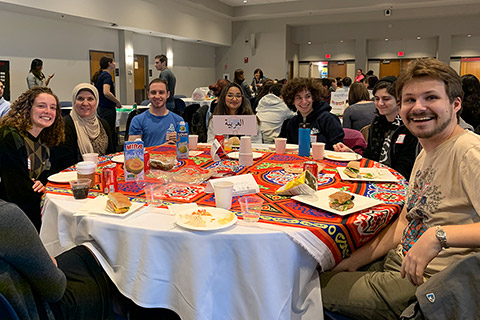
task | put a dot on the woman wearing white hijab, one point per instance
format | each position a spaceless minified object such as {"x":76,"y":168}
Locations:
{"x":85,"y":132}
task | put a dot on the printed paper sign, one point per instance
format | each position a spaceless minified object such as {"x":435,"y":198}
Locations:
{"x":235,"y":125}
{"x":338,"y":101}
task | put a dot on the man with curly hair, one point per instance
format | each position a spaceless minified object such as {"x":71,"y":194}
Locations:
{"x":440,"y":222}
{"x":307,"y":96}
{"x":33,"y":125}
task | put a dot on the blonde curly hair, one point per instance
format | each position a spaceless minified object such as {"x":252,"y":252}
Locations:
{"x":19,"y":117}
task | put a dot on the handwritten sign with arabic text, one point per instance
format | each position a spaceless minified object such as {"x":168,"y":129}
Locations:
{"x":235,"y":125}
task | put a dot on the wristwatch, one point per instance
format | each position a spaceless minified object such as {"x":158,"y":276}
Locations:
{"x":441,"y":236}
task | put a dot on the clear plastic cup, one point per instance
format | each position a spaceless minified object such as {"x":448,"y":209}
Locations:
{"x":251,"y":208}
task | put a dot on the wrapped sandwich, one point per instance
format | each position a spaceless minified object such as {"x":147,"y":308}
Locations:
{"x":118,"y":203}
{"x":341,"y":201}
{"x":353,"y":169}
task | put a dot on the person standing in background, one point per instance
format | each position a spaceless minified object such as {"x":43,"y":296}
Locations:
{"x":161,"y":63}
{"x":35,"y":77}
{"x":257,"y":80}
{"x":359,"y":76}
{"x":4,"y":105}
{"x":103,"y":81}
{"x":239,"y":78}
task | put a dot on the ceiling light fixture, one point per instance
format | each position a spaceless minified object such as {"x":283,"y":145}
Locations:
{"x":469,"y":35}
{"x":245,"y":1}
{"x":386,"y":39}
{"x":341,"y":41}
{"x":309,"y":42}
{"x":418,"y":38}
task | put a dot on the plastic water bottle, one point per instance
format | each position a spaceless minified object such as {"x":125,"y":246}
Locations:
{"x":304,"y":140}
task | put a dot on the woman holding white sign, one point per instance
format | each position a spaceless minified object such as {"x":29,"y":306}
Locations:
{"x":232,"y":102}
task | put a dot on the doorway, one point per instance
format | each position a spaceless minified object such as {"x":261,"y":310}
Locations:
{"x":470,"y":66}
{"x":95,"y":57}
{"x":337,"y":69}
{"x":392,"y":67}
{"x":140,"y":76}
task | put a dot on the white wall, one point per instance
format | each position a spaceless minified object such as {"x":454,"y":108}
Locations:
{"x":64,"y":48}
{"x":381,"y":49}
{"x":268,"y":55}
{"x":337,"y":49}
{"x":463,"y":46}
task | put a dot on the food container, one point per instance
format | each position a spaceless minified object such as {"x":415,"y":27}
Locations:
{"x":163,"y":162}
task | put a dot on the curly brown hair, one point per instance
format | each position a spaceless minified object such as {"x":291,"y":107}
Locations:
{"x":19,"y":117}
{"x":296,"y":85}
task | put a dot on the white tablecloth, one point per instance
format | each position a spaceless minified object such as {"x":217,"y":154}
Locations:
{"x":243,"y":272}
{"x":189,"y":101}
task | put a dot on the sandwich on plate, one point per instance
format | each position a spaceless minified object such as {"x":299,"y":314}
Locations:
{"x":341,"y":201}
{"x":118,"y":203}
{"x":353,"y":169}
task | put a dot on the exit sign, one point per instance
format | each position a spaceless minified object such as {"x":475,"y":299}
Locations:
{"x":328,"y":56}
{"x":401,"y":53}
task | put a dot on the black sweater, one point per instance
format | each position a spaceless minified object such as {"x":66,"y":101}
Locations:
{"x":325,"y":125}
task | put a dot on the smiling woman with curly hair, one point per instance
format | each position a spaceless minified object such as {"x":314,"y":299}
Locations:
{"x":33,"y":125}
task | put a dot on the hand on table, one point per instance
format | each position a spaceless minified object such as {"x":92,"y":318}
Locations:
{"x":171,"y":137}
{"x":420,"y":254}
{"x":340,"y":147}
{"x":38,"y":186}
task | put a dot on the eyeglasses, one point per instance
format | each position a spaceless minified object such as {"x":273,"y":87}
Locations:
{"x":2,"y":87}
{"x":231,"y":96}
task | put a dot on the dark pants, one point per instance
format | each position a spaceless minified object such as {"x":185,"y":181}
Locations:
{"x":89,"y":291}
{"x":110,"y":115}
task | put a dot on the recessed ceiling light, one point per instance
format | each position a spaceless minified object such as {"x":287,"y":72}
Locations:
{"x":386,"y":39}
{"x":245,"y":1}
{"x":341,"y":41}
{"x":418,"y":37}
{"x":309,"y":42}
{"x":469,"y":35}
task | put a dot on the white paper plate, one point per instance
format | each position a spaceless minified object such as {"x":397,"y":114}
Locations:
{"x":379,"y":175}
{"x":289,"y":147}
{"x":63,"y":177}
{"x":97,"y":206}
{"x":213,"y":222}
{"x":118,"y":159}
{"x":342,"y":156}
{"x":235,"y":155}
{"x":320,"y":200}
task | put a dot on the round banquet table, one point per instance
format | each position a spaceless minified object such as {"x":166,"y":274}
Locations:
{"x":261,"y":271}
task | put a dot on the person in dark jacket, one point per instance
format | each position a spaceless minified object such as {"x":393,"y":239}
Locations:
{"x":30,"y":129}
{"x":307,"y":97}
{"x":85,"y":132}
{"x":389,"y":141}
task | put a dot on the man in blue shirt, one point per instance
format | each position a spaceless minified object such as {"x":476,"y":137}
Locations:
{"x":157,"y":125}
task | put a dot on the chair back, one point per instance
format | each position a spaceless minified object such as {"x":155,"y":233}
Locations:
{"x":144,"y":102}
{"x":354,"y":140}
{"x":364,"y":131}
{"x":199,"y":123}
{"x":132,"y":114}
{"x":179,"y":106}
{"x":6,"y":310}
{"x":188,"y":114}
{"x":179,"y":96}
{"x":65,"y":106}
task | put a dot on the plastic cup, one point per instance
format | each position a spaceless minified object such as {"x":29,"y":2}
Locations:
{"x":251,"y":208}
{"x":80,"y":188}
{"x":318,"y":149}
{"x":86,"y":170}
{"x":223,"y":194}
{"x":245,"y":144}
{"x":154,"y":194}
{"x":90,"y":157}
{"x":192,"y":141}
{"x":280,"y":145}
